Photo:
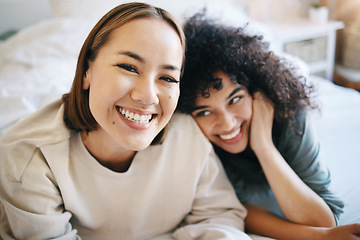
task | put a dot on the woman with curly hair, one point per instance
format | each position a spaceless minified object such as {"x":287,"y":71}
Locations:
{"x":252,"y":106}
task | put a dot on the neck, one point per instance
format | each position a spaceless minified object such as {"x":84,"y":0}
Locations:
{"x":120,"y":167}
{"x":118,"y":160}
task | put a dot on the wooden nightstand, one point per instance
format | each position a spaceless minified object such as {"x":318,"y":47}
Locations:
{"x":312,"y":42}
{"x":347,"y":77}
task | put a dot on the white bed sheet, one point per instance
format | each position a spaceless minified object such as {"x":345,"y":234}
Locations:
{"x":38,"y":64}
{"x":338,"y":129}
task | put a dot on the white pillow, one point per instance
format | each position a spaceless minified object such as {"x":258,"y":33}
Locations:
{"x":38,"y":66}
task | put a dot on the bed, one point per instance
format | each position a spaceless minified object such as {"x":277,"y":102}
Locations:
{"x":37,"y":66}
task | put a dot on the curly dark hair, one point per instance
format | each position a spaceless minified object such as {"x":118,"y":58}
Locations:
{"x":213,"y":47}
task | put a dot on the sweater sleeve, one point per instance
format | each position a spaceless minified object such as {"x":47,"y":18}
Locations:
{"x":216,"y":212}
{"x":31,"y":204}
{"x":304,"y":156}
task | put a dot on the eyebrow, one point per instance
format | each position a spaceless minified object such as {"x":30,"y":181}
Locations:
{"x":132,"y":55}
{"x":171,"y":67}
{"x":198,"y":108}
{"x":236,"y":90}
{"x":142,"y":60}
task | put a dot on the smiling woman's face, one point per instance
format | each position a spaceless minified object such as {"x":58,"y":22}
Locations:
{"x":225,"y":116}
{"x":133,"y":83}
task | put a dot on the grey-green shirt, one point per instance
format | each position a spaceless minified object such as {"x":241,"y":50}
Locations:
{"x":302,"y":153}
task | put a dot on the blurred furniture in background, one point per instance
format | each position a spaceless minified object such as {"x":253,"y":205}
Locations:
{"x":347,"y":70}
{"x":312,"y":42}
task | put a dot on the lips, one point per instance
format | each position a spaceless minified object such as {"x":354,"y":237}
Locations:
{"x":231,"y":135}
{"x":135,"y":117}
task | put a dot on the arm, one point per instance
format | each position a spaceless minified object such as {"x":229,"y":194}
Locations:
{"x":32,"y":206}
{"x":299,"y":203}
{"x":216,"y":212}
{"x":275,"y":227}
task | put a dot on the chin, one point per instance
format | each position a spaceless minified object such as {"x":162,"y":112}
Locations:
{"x":141,"y":145}
{"x":234,"y":149}
{"x":136,"y":145}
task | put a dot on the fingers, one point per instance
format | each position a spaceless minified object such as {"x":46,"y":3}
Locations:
{"x":350,"y":231}
{"x":256,"y":95}
{"x":260,"y":96}
{"x":356,"y":229}
{"x":262,"y":104}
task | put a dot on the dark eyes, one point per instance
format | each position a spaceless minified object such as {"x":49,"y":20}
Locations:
{"x":133,"y":69}
{"x":169,"y":79}
{"x":207,"y":112}
{"x":202,"y":113}
{"x":234,"y":100}
{"x":128,"y":67}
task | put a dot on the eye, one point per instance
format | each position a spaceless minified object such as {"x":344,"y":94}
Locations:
{"x":127,"y":67}
{"x":234,"y":100}
{"x":169,"y":79}
{"x":202,"y":113}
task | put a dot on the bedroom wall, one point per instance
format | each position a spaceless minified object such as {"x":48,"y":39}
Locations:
{"x":267,"y":10}
{"x":17,"y":14}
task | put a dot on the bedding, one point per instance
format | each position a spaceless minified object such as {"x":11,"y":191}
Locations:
{"x":37,"y":66}
{"x":338,"y":130}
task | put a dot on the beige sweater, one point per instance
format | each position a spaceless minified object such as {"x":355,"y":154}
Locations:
{"x":51,"y":187}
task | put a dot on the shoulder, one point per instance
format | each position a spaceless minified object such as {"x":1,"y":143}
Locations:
{"x":297,"y":132}
{"x":299,"y":139}
{"x":302,"y":147}
{"x":22,"y":143}
{"x":44,"y":125}
{"x":185,"y":125}
{"x":184,"y":122}
{"x":183,"y":133}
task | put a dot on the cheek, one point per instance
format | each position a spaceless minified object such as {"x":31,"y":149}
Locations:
{"x":174,"y":94}
{"x":170,"y":98}
{"x":249,"y":112}
{"x":205,"y":128}
{"x":247,"y":109}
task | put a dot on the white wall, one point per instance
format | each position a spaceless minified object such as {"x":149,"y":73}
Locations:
{"x":17,"y":14}
{"x":269,"y":10}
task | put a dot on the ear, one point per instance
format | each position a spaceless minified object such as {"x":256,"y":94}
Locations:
{"x":86,"y":81}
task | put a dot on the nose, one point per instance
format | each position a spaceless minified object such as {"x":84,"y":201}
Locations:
{"x":145,"y":91}
{"x":226,"y":121}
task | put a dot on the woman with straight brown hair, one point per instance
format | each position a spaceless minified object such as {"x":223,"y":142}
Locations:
{"x":97,"y":165}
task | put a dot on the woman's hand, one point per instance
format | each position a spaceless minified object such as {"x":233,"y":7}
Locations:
{"x":261,"y":222}
{"x":261,"y":123}
{"x":344,"y":232}
{"x":299,"y":203}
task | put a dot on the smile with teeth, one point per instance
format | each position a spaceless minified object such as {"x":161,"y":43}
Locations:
{"x":135,"y":117}
{"x":231,"y":135}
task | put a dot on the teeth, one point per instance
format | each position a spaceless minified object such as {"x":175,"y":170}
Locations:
{"x":231,"y":135}
{"x":135,"y":117}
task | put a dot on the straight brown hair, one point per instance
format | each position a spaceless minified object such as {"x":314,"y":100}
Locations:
{"x":77,"y":114}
